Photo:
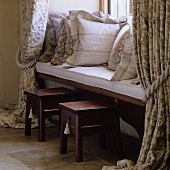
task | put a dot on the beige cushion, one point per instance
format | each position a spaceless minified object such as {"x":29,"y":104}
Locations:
{"x":127,"y":67}
{"x":88,"y":16}
{"x":117,"y":49}
{"x":94,"y":39}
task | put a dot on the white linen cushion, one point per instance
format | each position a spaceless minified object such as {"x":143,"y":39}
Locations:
{"x":74,"y":14}
{"x":94,"y":42}
{"x":79,"y":74}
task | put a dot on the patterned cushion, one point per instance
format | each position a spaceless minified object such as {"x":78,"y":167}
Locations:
{"x":65,"y":43}
{"x":48,"y":42}
{"x":127,"y":67}
{"x":51,"y":26}
{"x":52,"y":35}
{"x":46,"y":56}
{"x":117,"y":49}
{"x":48,"y":53}
{"x":94,"y":39}
{"x":56,"y":24}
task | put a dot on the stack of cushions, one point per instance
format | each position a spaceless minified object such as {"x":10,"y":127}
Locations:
{"x":58,"y":44}
{"x":85,"y":39}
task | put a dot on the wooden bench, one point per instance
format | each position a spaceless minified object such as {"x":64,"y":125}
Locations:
{"x":85,"y":117}
{"x":133,"y":117}
{"x":45,"y":103}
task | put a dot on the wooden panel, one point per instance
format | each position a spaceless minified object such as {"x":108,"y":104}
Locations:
{"x":103,"y":6}
{"x":93,"y":89}
{"x":133,"y":115}
{"x":131,"y":7}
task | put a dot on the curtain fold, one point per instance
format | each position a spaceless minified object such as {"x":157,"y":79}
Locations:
{"x":151,"y":31}
{"x":151,"y":43}
{"x":34,"y":20}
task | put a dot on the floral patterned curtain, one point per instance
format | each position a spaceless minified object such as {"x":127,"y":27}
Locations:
{"x":34,"y":20}
{"x":151,"y":30}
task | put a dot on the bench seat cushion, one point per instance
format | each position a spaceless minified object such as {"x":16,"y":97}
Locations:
{"x":97,"y":76}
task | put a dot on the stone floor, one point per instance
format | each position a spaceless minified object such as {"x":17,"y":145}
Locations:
{"x":19,"y":152}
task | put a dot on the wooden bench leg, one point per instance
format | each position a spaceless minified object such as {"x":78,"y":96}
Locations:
{"x":41,"y":123}
{"x":117,"y":135}
{"x":78,"y":145}
{"x":63,"y":140}
{"x":27,"y":120}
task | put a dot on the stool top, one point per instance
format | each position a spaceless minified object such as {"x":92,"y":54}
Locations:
{"x":86,"y":105}
{"x":48,"y":92}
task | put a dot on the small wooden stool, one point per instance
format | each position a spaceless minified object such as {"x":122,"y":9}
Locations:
{"x":85,"y":117}
{"x":45,"y":103}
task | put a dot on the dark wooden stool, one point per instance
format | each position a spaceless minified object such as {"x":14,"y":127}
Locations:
{"x":85,"y":117}
{"x":45,"y":103}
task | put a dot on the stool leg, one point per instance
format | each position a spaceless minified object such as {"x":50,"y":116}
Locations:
{"x":59,"y":122}
{"x":63,"y":140}
{"x":41,"y":122}
{"x":27,"y":120}
{"x":78,"y":142}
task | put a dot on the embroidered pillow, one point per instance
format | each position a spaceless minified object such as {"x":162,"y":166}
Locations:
{"x":117,"y":49}
{"x":94,"y":41}
{"x":127,"y":67}
{"x":65,"y":43}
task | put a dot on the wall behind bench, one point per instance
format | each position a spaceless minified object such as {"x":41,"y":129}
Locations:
{"x":66,"y":5}
{"x":9,"y":41}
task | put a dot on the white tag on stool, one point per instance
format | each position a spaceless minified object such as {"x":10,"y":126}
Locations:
{"x":31,"y":114}
{"x":67,"y":130}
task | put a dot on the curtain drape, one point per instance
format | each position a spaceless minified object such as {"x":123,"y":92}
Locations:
{"x":151,"y":31}
{"x":34,"y":20}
